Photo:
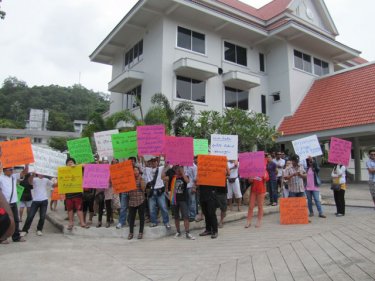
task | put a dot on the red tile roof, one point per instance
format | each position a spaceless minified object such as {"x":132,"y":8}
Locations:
{"x":266,"y":12}
{"x":359,"y":60}
{"x":342,"y":100}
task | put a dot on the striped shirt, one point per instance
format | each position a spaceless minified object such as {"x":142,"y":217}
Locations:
{"x":295,"y":184}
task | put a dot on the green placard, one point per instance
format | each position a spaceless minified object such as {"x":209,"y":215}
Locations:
{"x":80,"y":150}
{"x":125,"y":144}
{"x":200,"y":146}
{"x":20,"y":190}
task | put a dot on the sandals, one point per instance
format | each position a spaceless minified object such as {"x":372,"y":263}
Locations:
{"x":85,"y":226}
{"x":130,"y":236}
{"x":140,"y":236}
{"x":70,"y":227}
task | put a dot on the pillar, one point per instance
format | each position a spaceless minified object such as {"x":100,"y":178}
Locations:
{"x":357,"y":160}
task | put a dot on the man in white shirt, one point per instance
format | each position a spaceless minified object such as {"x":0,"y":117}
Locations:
{"x":233,"y":184}
{"x":41,"y":188}
{"x":280,"y":163}
{"x":8,"y":186}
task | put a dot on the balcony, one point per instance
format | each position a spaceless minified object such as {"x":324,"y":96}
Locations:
{"x":240,"y":80}
{"x":125,"y":81}
{"x":194,"y":69}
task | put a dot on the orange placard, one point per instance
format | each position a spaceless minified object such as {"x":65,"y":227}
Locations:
{"x":122,"y":177}
{"x":212,"y":170}
{"x":16,"y":152}
{"x":293,"y":211}
{"x":55,"y":196}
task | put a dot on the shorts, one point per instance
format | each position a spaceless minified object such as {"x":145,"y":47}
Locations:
{"x":181,"y":206}
{"x":26,"y":204}
{"x":74,"y":204}
{"x":221,"y":200}
{"x":234,"y":188}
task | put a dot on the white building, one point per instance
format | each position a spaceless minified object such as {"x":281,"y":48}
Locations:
{"x":79,"y":125}
{"x":38,"y":119}
{"x":222,"y":53}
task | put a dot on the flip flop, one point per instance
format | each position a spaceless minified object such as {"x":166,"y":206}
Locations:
{"x":70,"y":227}
{"x":85,"y":226}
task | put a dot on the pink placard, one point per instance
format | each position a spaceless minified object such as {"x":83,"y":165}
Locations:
{"x":96,"y":176}
{"x":340,"y":151}
{"x":179,"y":150}
{"x":252,"y":164}
{"x":150,"y":139}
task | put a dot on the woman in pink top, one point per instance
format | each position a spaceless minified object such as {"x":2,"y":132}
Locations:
{"x":312,"y":187}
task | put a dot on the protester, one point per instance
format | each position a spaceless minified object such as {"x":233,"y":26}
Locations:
{"x":312,"y":187}
{"x":339,"y":177}
{"x":370,"y":164}
{"x":41,"y":187}
{"x":233,"y":184}
{"x":26,"y":197}
{"x":136,"y":203}
{"x":7,"y":225}
{"x":258,"y":192}
{"x":88,"y":204}
{"x":295,"y":174}
{"x":191,"y":172}
{"x":208,"y":201}
{"x":285,"y":181}
{"x":272,"y":183}
{"x":221,"y":202}
{"x":280,"y":163}
{"x":99,"y":199}
{"x":108,"y":197}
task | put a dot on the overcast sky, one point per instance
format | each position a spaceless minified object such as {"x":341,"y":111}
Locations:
{"x":48,"y":42}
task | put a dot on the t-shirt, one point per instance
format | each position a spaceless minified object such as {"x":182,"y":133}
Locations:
{"x":271,"y":169}
{"x":41,"y":188}
{"x":26,"y":194}
{"x":279,"y":165}
{"x":233,"y":170}
{"x":310,"y":183}
{"x":370,"y":164}
{"x":180,"y":189}
{"x":7,"y":184}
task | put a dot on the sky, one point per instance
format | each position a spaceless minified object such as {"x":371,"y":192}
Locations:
{"x":49,"y":42}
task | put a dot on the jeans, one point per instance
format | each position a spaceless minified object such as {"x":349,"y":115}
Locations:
{"x":192,"y":204}
{"x":124,"y":205}
{"x":296,"y":194}
{"x":42,"y":206}
{"x":153,"y":202}
{"x":310,"y":194}
{"x":272,"y":190}
{"x":16,"y":235}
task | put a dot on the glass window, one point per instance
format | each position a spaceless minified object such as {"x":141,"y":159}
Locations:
{"x":298,"y":63}
{"x":132,"y":96}
{"x":190,"y":40}
{"x":134,"y":55}
{"x":302,"y":61}
{"x":307,"y":63}
{"x":263,"y":104}
{"x":241,"y":56}
{"x":191,"y":89}
{"x":198,"y":42}
{"x":235,"y":54}
{"x":236,"y":98}
{"x":320,"y":67}
{"x":262,"y":66}
{"x":184,"y":38}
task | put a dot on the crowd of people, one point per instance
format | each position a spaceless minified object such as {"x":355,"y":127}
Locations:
{"x":162,"y":188}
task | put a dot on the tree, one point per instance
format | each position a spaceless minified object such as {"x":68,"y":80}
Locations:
{"x":58,"y":121}
{"x":59,"y":143}
{"x":6,"y":123}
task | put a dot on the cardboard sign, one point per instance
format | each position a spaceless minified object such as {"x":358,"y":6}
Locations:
{"x":179,"y":151}
{"x":20,"y":190}
{"x":293,"y":211}
{"x":55,"y":196}
{"x":122,"y":177}
{"x":96,"y":176}
{"x":150,"y":140}
{"x":225,"y":145}
{"x":103,"y":141}
{"x":212,"y":170}
{"x":252,"y":164}
{"x":339,"y":151}
{"x":306,"y":147}
{"x":70,"y":179}
{"x":47,"y":161}
{"x":16,"y":152}
{"x":80,"y":150}
{"x":125,"y":145}
{"x":200,"y":147}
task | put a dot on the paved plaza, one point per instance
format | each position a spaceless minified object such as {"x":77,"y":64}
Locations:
{"x":326,"y":249}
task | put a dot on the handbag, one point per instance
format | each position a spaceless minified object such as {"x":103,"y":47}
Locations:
{"x":151,"y":185}
{"x":335,"y":186}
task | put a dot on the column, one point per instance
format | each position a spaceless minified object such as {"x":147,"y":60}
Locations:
{"x":357,"y":160}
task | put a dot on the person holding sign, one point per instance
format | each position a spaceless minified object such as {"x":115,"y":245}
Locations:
{"x":370,"y":164}
{"x":272,"y":183}
{"x":295,"y":175}
{"x":312,"y":186}
{"x":339,"y":178}
{"x":233,"y":184}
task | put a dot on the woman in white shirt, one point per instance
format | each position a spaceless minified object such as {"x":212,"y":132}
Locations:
{"x":339,"y":177}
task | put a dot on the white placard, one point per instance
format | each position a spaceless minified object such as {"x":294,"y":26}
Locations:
{"x":225,"y":145}
{"x":103,"y":143}
{"x":306,"y":147}
{"x":47,"y":161}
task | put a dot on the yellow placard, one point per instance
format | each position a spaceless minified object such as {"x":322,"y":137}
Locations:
{"x":70,"y":179}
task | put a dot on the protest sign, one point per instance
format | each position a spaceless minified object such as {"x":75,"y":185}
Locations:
{"x":70,"y":179}
{"x":20,"y":190}
{"x":252,"y":164}
{"x":16,"y":152}
{"x":212,"y":170}
{"x":103,"y":141}
{"x":125,"y":145}
{"x":80,"y":150}
{"x":150,"y":140}
{"x":47,"y":161}
{"x":200,"y":146}
{"x":122,"y":177}
{"x":96,"y":176}
{"x":339,"y":151}
{"x":293,"y":211}
{"x":56,"y":196}
{"x":306,"y":147}
{"x":225,"y":145}
{"x":179,"y":151}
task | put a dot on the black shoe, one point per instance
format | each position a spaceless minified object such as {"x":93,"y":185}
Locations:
{"x":214,"y":235}
{"x":205,"y":233}
{"x":191,"y":219}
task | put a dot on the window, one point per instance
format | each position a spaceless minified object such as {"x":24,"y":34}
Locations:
{"x":37,"y":140}
{"x":262,"y":66}
{"x":302,"y":61}
{"x":263,"y":104}
{"x":236,"y":98}
{"x":191,"y":40}
{"x":320,"y":67}
{"x":191,"y":89}
{"x":132,"y":96}
{"x":134,"y":55}
{"x":235,"y":54}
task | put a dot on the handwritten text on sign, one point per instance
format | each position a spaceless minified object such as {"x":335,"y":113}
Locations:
{"x":122,"y":177}
{"x":103,"y":143}
{"x":150,"y":139}
{"x":306,"y":147}
{"x":200,"y":146}
{"x":179,"y":150}
{"x":225,"y":145}
{"x":339,"y":151}
{"x":47,"y":161}
{"x":125,"y":144}
{"x":96,"y":176}
{"x":252,"y":164}
{"x":70,"y":179}
{"x":293,"y":211}
{"x":212,"y":170}
{"x":16,"y":152}
{"x":80,"y":150}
